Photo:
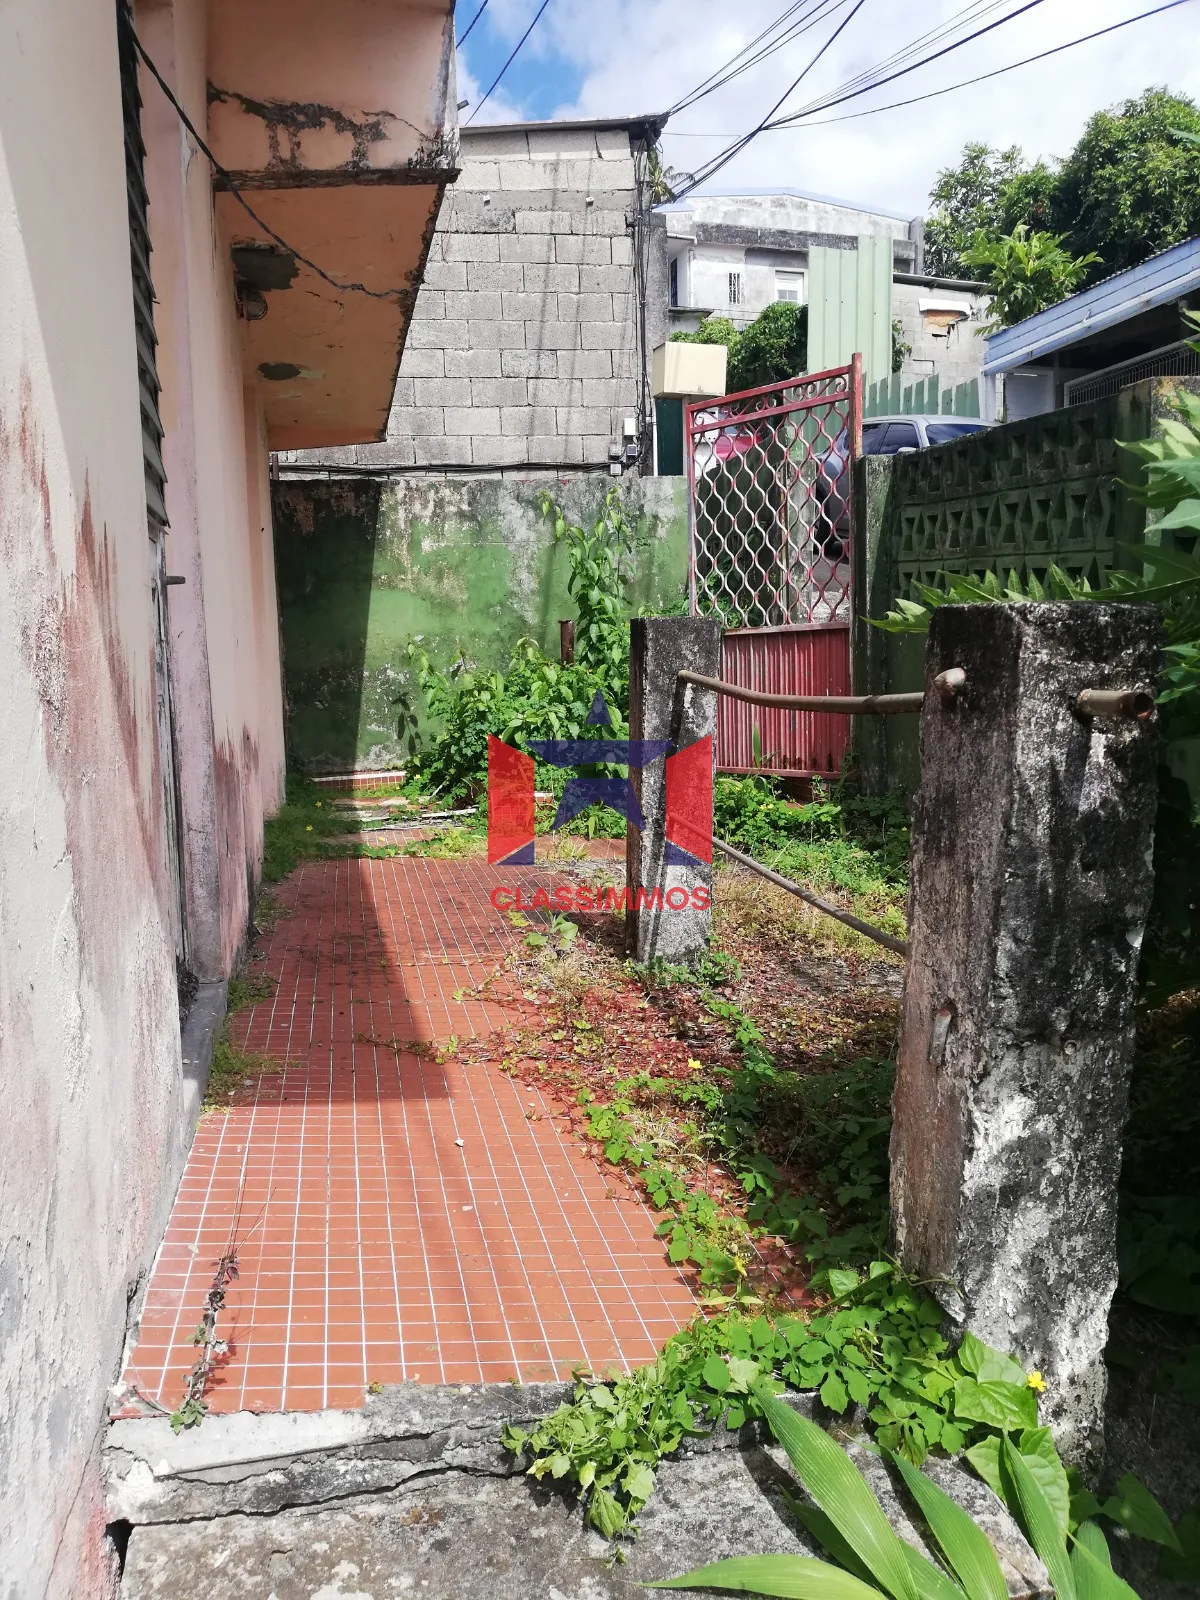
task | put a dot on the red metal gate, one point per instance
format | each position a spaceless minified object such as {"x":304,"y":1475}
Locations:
{"x":769,"y":552}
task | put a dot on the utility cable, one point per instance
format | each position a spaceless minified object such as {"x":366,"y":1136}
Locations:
{"x":735,"y":66}
{"x":997,"y":72}
{"x":714,"y":166}
{"x":509,"y":62}
{"x":723,"y":157}
{"x":227,"y":178}
{"x":837,"y":97}
{"x":950,"y":88}
{"x":458,"y":43}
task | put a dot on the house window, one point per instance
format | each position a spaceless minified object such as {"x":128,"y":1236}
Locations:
{"x":789,"y":286}
{"x":736,"y":292}
{"x":674,"y":298}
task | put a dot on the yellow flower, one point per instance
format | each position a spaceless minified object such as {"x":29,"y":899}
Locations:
{"x":309,"y":828}
{"x":693,"y":1064}
{"x":318,"y":805}
{"x":1036,"y":1381}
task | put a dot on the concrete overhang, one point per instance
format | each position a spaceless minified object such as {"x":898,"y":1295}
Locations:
{"x":337,"y":123}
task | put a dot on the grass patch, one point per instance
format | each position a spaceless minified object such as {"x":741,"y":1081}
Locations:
{"x":234,"y":1069}
{"x":249,"y":989}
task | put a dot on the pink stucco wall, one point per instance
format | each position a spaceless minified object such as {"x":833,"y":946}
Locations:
{"x":91,"y":1134}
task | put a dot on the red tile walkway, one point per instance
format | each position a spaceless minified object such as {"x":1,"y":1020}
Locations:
{"x":402,"y":1219}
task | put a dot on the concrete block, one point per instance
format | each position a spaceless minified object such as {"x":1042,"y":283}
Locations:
{"x":623,"y":308}
{"x":595,"y":449}
{"x":492,"y":276}
{"x":479,"y":176}
{"x":423,"y":422}
{"x":418,"y":363}
{"x":472,"y":419}
{"x":585,"y":419}
{"x":471,"y":215}
{"x":476,"y":304}
{"x":500,"y":392}
{"x":585,"y":364}
{"x":443,"y":452}
{"x":527,"y":420}
{"x":532,"y":363}
{"x":499,"y":451}
{"x":402,"y":394}
{"x":588,"y":177}
{"x":584,"y":249}
{"x":552,"y":335}
{"x":496,"y":336}
{"x":585,"y":307}
{"x":1031,"y":884}
{"x":555,"y":447}
{"x":535,"y":248}
{"x":604,"y":335}
{"x":440,"y":335}
{"x":541,"y":277}
{"x":622,"y":251}
{"x":431,"y":304}
{"x":668,"y":914}
{"x":441,"y":392}
{"x":528,"y":222}
{"x":473,"y":363}
{"x":476,"y":246}
{"x":444,"y":275}
{"x":556,"y":391}
{"x":529,"y":307}
{"x":604,"y":280}
{"x":596,"y":219}
{"x":397,"y":450}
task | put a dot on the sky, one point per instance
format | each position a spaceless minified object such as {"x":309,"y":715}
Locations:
{"x":598,"y":58}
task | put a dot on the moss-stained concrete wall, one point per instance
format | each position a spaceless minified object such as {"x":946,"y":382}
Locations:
{"x":466,"y":565}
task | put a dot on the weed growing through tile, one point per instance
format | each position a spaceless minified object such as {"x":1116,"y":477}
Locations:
{"x":233,"y":1070}
{"x":248,"y":989}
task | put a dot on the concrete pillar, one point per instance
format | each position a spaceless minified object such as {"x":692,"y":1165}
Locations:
{"x":668,"y":862}
{"x":1031,"y":883}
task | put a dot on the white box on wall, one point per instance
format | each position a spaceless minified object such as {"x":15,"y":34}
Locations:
{"x":683,"y":371}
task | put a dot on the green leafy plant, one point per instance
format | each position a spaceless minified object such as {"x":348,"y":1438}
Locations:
{"x":1026,"y":272}
{"x":771,"y":348}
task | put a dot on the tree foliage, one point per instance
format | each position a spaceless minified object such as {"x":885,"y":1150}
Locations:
{"x":1027,"y":272}
{"x":1130,"y":187}
{"x":772,"y":347}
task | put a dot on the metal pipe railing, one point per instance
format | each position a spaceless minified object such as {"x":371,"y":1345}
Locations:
{"x":846,"y":917}
{"x":947,"y":684}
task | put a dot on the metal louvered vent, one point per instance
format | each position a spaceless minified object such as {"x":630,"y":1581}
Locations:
{"x":143,"y":289}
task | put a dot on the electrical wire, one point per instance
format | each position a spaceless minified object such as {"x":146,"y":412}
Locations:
{"x":997,"y":72}
{"x":714,"y":166}
{"x":458,"y":43}
{"x":838,"y":97}
{"x":509,"y":62}
{"x":227,"y":178}
{"x":735,"y":66}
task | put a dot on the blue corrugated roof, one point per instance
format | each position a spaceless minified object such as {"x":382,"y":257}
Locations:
{"x":1156,"y":282}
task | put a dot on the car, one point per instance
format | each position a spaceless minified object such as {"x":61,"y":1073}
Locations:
{"x":882,"y":436}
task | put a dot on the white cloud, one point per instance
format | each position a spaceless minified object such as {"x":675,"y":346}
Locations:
{"x":640,"y":55}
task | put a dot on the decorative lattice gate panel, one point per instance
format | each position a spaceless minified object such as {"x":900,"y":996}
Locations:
{"x":770,"y":554}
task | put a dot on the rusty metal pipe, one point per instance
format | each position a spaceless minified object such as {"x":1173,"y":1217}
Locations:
{"x":846,"y":917}
{"x":947,"y":684}
{"x":1137,"y":703}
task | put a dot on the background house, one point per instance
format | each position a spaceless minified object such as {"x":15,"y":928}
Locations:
{"x":156,"y":341}
{"x":1122,"y":330}
{"x":526,"y":371}
{"x":860,"y":270}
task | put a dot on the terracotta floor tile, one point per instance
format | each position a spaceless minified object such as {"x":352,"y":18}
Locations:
{"x":382,"y":1249}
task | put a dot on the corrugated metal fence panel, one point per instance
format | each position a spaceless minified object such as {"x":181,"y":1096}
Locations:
{"x":797,"y":744}
{"x":891,"y":397}
{"x":850,"y":306}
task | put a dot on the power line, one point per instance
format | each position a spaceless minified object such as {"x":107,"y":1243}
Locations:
{"x":510,"y":61}
{"x":837,"y":97}
{"x":458,"y":43}
{"x":714,"y":166}
{"x":847,"y":92}
{"x":228,"y":180}
{"x":892,"y":105}
{"x":735,"y":66}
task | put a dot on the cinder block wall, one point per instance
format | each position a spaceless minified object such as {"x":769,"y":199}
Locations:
{"x":523,"y":347}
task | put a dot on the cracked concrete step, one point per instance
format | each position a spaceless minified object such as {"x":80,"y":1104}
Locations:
{"x":413,"y":1494}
